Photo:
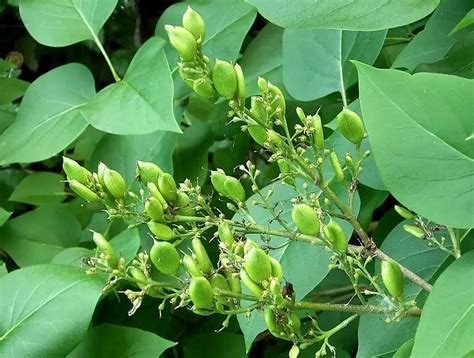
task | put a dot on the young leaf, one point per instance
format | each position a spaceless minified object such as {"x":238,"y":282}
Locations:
{"x":45,"y":310}
{"x":37,"y":236}
{"x":447,"y":322}
{"x":316,"y":62}
{"x":142,"y":102}
{"x":65,"y":22}
{"x":421,"y":131}
{"x":50,"y":115}
{"x":12,"y":88}
{"x":365,"y":15}
{"x":108,"y":340}
{"x":39,"y":189}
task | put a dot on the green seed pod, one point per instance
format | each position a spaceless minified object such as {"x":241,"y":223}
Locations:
{"x":249,"y":244}
{"x":259,"y":134}
{"x":234,"y":189}
{"x":220,"y":282}
{"x":270,"y":319}
{"x":224,"y":231}
{"x":275,"y":140}
{"x":74,"y":171}
{"x":241,"y":90}
{"x":204,"y":88}
{"x":115,"y":183}
{"x":336,"y":166}
{"x":275,"y":287}
{"x":148,"y":172}
{"x":201,"y":256}
{"x":405,"y":213}
{"x":392,"y":278}
{"x":194,"y":23}
{"x":349,"y":162}
{"x":138,"y":274}
{"x":167,"y":187}
{"x":257,"y":265}
{"x":156,"y":194}
{"x":161,"y":231}
{"x":278,"y":101}
{"x":415,"y":231}
{"x":186,"y":211}
{"x":277,"y":271}
{"x":334,"y":233}
{"x":83,"y":191}
{"x":350,"y":125}
{"x":191,"y":266}
{"x":253,"y":287}
{"x":258,"y":109}
{"x":217,"y":179}
{"x":201,"y":293}
{"x":305,"y":219}
{"x":106,"y":248}
{"x":154,"y":209}
{"x":318,"y":134}
{"x":182,"y":199}
{"x":183,"y":41}
{"x":294,"y":322}
{"x":301,"y":114}
{"x":165,"y":257}
{"x":224,"y":78}
{"x":234,"y":281}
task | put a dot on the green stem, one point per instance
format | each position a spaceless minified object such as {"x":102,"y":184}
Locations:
{"x":455,"y":241}
{"x":106,"y":57}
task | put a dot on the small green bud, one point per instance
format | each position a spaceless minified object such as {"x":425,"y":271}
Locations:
{"x":301,"y":114}
{"x":204,"y":88}
{"x":156,"y":194}
{"x":191,"y":266}
{"x":262,"y":84}
{"x":100,"y":174}
{"x":249,"y":244}
{"x":306,"y":220}
{"x":167,"y":187}
{"x":201,"y":293}
{"x":74,"y":171}
{"x":186,"y":211}
{"x":258,"y":133}
{"x":253,"y":287}
{"x":161,"y":231}
{"x":350,"y":125}
{"x":318,"y":134}
{"x":148,"y":172}
{"x":165,"y":257}
{"x":224,"y":231}
{"x":83,"y":191}
{"x":234,"y":189}
{"x":278,"y":101}
{"x":392,"y":278}
{"x":115,"y":183}
{"x":275,"y":140}
{"x":202,"y":257}
{"x":270,"y":319}
{"x":220,"y":282}
{"x":154,"y":209}
{"x":106,"y":248}
{"x":257,"y":265}
{"x":234,"y":282}
{"x":336,"y":166}
{"x":334,"y":233}
{"x":194,"y":23}
{"x":225,"y":79}
{"x":414,"y":230}
{"x":257,"y":107}
{"x":241,"y":90}
{"x":217,"y":179}
{"x":138,"y":274}
{"x":284,"y":165}
{"x":349,"y":162}
{"x":405,"y":213}
{"x":183,"y":41}
{"x":277,"y":271}
{"x":182,"y":199}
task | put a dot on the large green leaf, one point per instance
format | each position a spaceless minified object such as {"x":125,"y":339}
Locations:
{"x":4,"y":216}
{"x":142,"y":102}
{"x":37,"y":236}
{"x":421,"y":131}
{"x":11,"y":89}
{"x":40,"y":188}
{"x":380,"y":339}
{"x":45,"y":310}
{"x":447,"y":323}
{"x":108,"y":340}
{"x":65,"y":22}
{"x":50,"y":115}
{"x":363,"y":15}
{"x":122,"y":152}
{"x":316,"y":62}
{"x":434,"y":41}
